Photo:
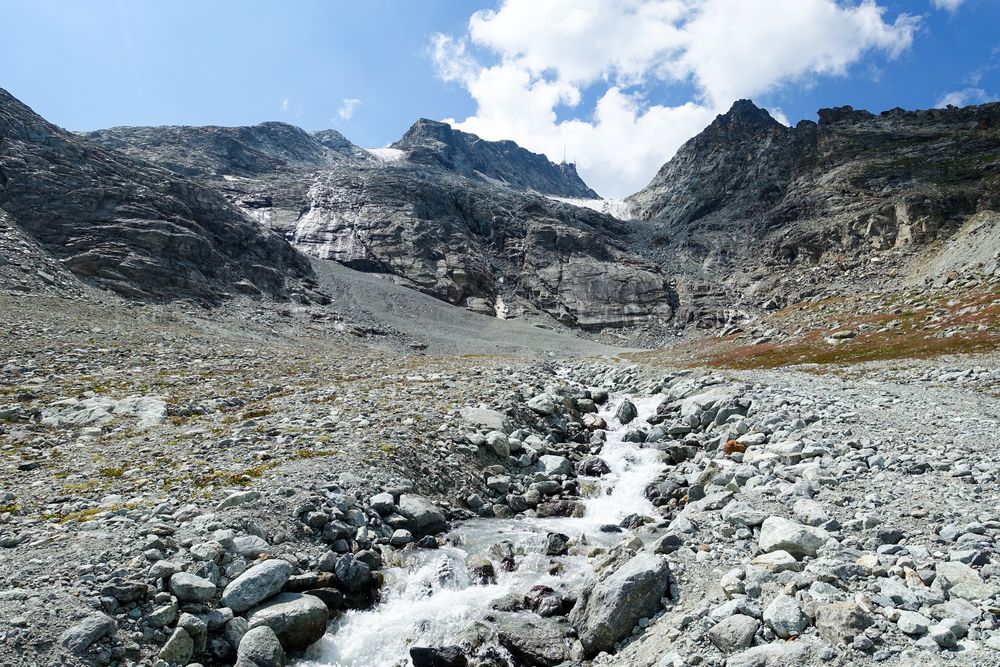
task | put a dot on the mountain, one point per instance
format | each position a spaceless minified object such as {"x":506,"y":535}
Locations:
{"x":749,"y":193}
{"x":134,"y":228}
{"x":213,"y":151}
{"x":434,"y":143}
{"x":453,"y":216}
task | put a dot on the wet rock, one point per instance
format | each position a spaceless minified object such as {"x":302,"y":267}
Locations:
{"x":353,"y":574}
{"x":534,"y":642}
{"x":556,"y":544}
{"x":592,"y":466}
{"x":260,"y":647}
{"x":298,"y":620}
{"x":481,"y":570}
{"x":256,"y":584}
{"x":626,"y":412}
{"x":438,"y":656}
{"x":609,"y":607}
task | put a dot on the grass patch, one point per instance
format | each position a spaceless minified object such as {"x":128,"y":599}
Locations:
{"x":238,"y":478}
{"x":112,"y":472}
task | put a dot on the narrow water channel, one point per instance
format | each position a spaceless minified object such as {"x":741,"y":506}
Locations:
{"x":430,"y":598}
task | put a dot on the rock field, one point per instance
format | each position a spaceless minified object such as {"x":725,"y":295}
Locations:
{"x":183,"y":486}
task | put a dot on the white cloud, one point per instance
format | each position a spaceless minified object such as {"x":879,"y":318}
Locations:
{"x":950,"y":5}
{"x":546,"y":57}
{"x":284,"y":104}
{"x":348,"y":106}
{"x":965,"y":97}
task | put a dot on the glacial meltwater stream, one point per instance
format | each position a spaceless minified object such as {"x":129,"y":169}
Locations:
{"x":431,"y":598}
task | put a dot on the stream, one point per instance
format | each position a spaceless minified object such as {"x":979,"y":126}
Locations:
{"x":431,"y":598}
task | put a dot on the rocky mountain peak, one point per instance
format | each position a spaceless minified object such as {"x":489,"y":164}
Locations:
{"x":438,"y":144}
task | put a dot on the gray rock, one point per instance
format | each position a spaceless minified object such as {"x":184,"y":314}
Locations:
{"x":626,"y":412}
{"x":778,"y":534}
{"x":734,"y":633}
{"x":534,"y":641}
{"x":179,"y":649}
{"x":742,"y":514}
{"x":251,"y":546}
{"x":491,"y":420}
{"x":610,"y":606}
{"x":784,"y":616}
{"x":400,"y":537}
{"x":260,"y":647}
{"x":841,"y":622}
{"x":238,"y":498}
{"x":191,"y":588}
{"x":542,"y":405}
{"x":383,"y":503}
{"x":298,"y":620}
{"x":497,"y":442}
{"x":81,"y":636}
{"x":256,"y":584}
{"x":555,"y":465}
{"x":961,"y":581}
{"x":423,"y":516}
{"x":912,"y":623}
{"x":353,"y":574}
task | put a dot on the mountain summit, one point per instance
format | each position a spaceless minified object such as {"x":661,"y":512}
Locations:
{"x":435,"y":143}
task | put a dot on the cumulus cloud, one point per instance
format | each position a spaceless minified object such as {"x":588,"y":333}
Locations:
{"x":530,"y":65}
{"x":348,"y":106}
{"x":965,"y":97}
{"x":950,"y":5}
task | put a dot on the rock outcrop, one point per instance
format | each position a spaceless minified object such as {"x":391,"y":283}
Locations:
{"x":131,"y":227}
{"x":751,"y":194}
{"x":434,"y":143}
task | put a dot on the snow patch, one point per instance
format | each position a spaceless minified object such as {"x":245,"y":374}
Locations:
{"x":616,"y":208}
{"x":387,"y":154}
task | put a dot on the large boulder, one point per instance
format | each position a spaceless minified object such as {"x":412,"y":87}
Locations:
{"x":610,"y":606}
{"x":189,"y":587}
{"x":423,"y":516}
{"x":256,"y":584}
{"x":778,"y":534}
{"x":79,"y":638}
{"x":298,"y":620}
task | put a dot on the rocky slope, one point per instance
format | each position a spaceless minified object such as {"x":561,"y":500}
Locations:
{"x":456,"y":217}
{"x":435,"y":143}
{"x":749,"y":193}
{"x":133,"y":228}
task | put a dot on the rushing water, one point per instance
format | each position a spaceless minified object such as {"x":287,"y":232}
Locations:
{"x":430,"y":598}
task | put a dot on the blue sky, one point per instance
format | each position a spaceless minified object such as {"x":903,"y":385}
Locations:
{"x":530,"y":71}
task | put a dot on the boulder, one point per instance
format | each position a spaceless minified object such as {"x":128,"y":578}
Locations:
{"x":734,"y":633}
{"x":555,"y":465}
{"x":179,"y":648}
{"x":81,"y":636}
{"x":438,"y":656}
{"x":423,"y":516}
{"x":497,"y":442}
{"x":298,"y":620}
{"x":542,"y":405}
{"x":260,"y":647}
{"x":534,"y":642}
{"x":785,"y":617}
{"x":492,"y":420}
{"x":256,"y":584}
{"x":610,"y":606}
{"x":191,"y":588}
{"x":841,"y":622}
{"x":778,"y":534}
{"x":626,"y":412}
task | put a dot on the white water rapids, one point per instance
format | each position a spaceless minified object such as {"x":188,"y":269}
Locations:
{"x":430,"y":599}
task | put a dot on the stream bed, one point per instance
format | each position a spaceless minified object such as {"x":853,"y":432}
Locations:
{"x":430,"y":597}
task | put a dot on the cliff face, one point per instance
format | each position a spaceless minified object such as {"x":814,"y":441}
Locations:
{"x":749,"y":192}
{"x":456,"y":217}
{"x":131,"y":227}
